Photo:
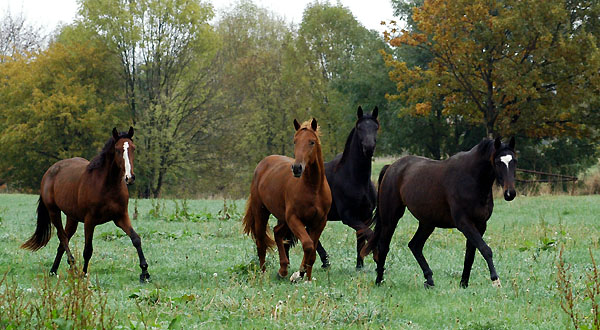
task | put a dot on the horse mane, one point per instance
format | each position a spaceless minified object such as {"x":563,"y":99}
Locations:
{"x":99,"y":159}
{"x":307,"y":125}
{"x":485,"y":146}
{"x":346,"y":149}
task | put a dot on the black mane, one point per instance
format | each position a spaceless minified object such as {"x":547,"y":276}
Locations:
{"x":99,"y":159}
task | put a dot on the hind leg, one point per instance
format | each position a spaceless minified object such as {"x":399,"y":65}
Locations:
{"x":389,"y":221}
{"x":70,"y":229}
{"x":281,"y":231}
{"x":62,"y":235}
{"x":323,"y":256}
{"x":469,"y":258}
{"x":416,"y":246}
{"x":88,"y":249}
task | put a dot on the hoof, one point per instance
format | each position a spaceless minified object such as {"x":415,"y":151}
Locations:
{"x":144,"y":278}
{"x":428,"y":285}
{"x":359,"y":265}
{"x":52,"y":273}
{"x":464,"y":285}
{"x":325,"y":264}
{"x":496,"y":283}
{"x":296,"y":277}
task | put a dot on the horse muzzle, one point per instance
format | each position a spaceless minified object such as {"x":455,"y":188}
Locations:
{"x":509,"y":194}
{"x":129,"y":180}
{"x":297,"y":169}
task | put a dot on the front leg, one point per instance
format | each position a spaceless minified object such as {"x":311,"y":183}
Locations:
{"x":363,"y":232}
{"x":474,"y":237}
{"x":125,"y":224}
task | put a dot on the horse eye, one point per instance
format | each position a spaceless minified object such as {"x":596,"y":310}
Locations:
{"x":312,"y":143}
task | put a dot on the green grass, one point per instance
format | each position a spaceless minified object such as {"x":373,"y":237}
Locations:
{"x":203,"y":270}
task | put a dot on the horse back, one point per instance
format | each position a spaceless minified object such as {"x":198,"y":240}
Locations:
{"x":60,"y":184}
{"x":421,"y":185}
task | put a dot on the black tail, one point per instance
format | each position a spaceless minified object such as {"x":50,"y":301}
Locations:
{"x":43,"y":230}
{"x":372,"y":243}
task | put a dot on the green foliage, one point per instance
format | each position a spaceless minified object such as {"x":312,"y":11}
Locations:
{"x":57,"y":104}
{"x":166,"y":48}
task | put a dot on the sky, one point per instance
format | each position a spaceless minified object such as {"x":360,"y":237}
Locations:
{"x":50,"y":13}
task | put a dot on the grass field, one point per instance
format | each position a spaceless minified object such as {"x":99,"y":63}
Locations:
{"x":203,"y":272}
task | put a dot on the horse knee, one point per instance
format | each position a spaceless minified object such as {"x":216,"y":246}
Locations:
{"x":87,"y":252}
{"x":308,"y":246}
{"x":136,"y":241}
{"x":486,"y":252}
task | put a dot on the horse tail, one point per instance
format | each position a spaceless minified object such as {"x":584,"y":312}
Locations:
{"x":43,"y":230}
{"x":373,"y":241}
{"x":256,"y":229}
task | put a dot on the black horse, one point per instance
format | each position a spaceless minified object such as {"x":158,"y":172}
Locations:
{"x":453,"y":193}
{"x":349,"y":177}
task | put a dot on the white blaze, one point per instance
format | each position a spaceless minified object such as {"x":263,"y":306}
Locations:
{"x":506,"y":159}
{"x":127,"y":163}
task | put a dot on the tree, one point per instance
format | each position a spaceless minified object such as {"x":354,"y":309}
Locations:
{"x":57,"y":103}
{"x":17,"y":37}
{"x":166,"y":48}
{"x":515,"y":67}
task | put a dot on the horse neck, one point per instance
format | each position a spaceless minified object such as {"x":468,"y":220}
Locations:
{"x":314,"y":174}
{"x":112,"y":172}
{"x":356,"y":162}
{"x":482,"y":169}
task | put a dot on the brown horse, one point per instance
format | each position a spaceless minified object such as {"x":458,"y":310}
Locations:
{"x":90,"y":192}
{"x":296,"y":192}
{"x":453,"y":193}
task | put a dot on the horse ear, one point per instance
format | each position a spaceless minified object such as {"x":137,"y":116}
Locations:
{"x":375,"y":112}
{"x":130,"y":133}
{"x":115,"y":134}
{"x":497,"y":143}
{"x":359,"y":112}
{"x":511,"y":144}
{"x":296,"y":124}
{"x":313,"y":124}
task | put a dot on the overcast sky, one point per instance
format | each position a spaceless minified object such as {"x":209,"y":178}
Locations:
{"x":50,"y":13}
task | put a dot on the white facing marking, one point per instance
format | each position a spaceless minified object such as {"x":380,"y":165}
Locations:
{"x":127,"y":163}
{"x":506,"y":159}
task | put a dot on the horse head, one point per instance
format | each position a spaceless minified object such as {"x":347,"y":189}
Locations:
{"x":124,"y":155}
{"x":306,"y":141}
{"x":366,"y":129}
{"x":505,"y":165}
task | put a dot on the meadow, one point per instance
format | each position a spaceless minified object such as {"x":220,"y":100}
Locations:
{"x":204,"y":272}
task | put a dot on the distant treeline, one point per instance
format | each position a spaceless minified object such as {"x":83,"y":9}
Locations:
{"x":209,"y":99}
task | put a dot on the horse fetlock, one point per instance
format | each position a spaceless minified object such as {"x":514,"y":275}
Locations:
{"x":144,"y":277}
{"x":496,"y":283}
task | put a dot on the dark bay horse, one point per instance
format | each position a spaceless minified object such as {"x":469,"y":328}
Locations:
{"x":453,"y":193}
{"x":349,"y":177}
{"x":296,"y":192}
{"x":90,"y":192}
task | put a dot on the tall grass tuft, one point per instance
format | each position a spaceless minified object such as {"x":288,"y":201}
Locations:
{"x":65,"y":302}
{"x":576,"y":302}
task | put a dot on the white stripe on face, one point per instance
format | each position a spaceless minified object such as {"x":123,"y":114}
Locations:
{"x":126,"y":159}
{"x":506,"y":159}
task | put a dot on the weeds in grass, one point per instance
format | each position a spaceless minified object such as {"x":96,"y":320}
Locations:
{"x":575,"y":302}
{"x":69,"y":302}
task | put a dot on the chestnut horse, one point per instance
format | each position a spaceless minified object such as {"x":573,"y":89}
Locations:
{"x":296,"y":192}
{"x":90,"y":192}
{"x":453,"y":193}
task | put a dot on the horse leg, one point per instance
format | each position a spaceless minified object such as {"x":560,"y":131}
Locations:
{"x":70,"y":229}
{"x":62,"y":235}
{"x":261,"y":220}
{"x":125,"y":224}
{"x":389,"y":221}
{"x":88,"y":249}
{"x":280,"y":232}
{"x":308,"y":245}
{"x":469,"y":257}
{"x":474,"y":236}
{"x":323,"y":255}
{"x":363,"y":232}
{"x":315,"y":235}
{"x":416,"y":246}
